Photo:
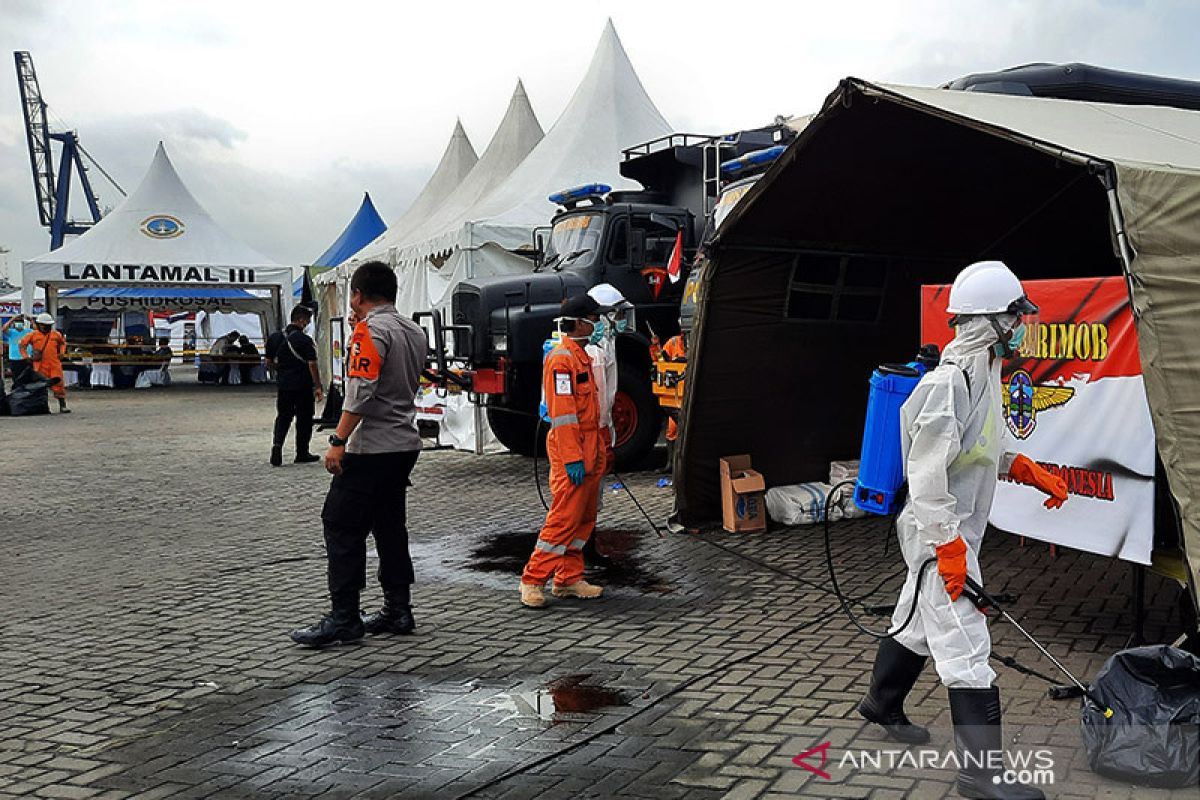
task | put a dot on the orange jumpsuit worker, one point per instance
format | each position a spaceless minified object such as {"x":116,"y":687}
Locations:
{"x":45,"y":347}
{"x":673,"y":350}
{"x":576,"y":452}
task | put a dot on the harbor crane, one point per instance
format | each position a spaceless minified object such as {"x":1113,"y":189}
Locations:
{"x":53,"y":189}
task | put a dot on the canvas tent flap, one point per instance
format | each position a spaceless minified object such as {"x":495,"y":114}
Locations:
{"x":158,"y":236}
{"x":1161,"y":210}
{"x":1000,"y":176}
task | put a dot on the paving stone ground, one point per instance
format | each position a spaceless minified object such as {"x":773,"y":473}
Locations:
{"x":153,"y":564}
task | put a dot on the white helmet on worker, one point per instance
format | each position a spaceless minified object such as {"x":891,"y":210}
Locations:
{"x":44,"y":319}
{"x":988,"y":287}
{"x":608,"y":295}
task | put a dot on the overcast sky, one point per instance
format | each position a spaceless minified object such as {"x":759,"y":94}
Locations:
{"x":278,"y":115}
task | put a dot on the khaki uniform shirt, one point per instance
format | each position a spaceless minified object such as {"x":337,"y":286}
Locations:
{"x":387,"y":355}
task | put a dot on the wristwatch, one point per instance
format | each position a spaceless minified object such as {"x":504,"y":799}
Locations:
{"x":335,"y":441}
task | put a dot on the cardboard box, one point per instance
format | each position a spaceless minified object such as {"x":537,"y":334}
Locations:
{"x":742,"y":502}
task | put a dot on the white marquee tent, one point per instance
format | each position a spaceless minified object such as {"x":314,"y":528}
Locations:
{"x":609,"y":111}
{"x":160,"y":236}
{"x":458,"y":159}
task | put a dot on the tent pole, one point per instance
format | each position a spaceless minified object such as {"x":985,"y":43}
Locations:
{"x":1108,"y":177}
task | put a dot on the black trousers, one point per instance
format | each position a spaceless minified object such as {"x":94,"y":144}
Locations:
{"x":368,"y":498}
{"x":295,"y":404}
{"x":17,"y":369}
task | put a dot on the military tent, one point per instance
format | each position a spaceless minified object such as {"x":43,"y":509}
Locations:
{"x":814,"y":278}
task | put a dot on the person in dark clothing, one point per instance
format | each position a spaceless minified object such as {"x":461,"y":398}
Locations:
{"x":292,"y":355}
{"x":371,"y":457}
{"x":250,"y":356}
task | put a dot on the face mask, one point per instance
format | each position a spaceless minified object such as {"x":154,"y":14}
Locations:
{"x":19,"y":326}
{"x":598,"y":331}
{"x":1009,"y":349}
{"x":622,"y":325}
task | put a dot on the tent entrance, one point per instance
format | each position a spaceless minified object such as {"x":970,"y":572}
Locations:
{"x":817,"y":277}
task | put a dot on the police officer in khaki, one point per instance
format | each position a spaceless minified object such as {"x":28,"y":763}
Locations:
{"x":370,"y":457}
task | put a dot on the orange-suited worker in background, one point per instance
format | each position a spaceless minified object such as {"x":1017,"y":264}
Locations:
{"x":45,"y":347}
{"x":576,"y":452}
{"x":674,"y":350}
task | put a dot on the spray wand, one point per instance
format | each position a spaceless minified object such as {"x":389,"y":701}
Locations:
{"x":983,"y":601}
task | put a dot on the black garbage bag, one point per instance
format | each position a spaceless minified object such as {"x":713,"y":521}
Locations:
{"x":1153,"y":737}
{"x":27,"y":399}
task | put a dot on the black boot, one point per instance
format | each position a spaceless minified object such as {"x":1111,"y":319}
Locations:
{"x":306,"y":458}
{"x":276,"y":455}
{"x":394,"y":617}
{"x":340,"y":626}
{"x":62,"y":406}
{"x":592,"y":556}
{"x":896,"y":670}
{"x":980,"y":745}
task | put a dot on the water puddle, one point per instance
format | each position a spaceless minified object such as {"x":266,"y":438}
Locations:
{"x":573,"y":694}
{"x":506,"y":553}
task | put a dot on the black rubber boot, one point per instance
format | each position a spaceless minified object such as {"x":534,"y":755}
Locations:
{"x":980,"y":745}
{"x":276,"y":456}
{"x":394,"y":617}
{"x":306,"y":458}
{"x":340,"y":626}
{"x":592,"y":556}
{"x":62,"y":406}
{"x":896,"y":670}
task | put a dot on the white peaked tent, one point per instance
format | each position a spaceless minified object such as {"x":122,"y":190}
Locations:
{"x":458,"y":159}
{"x":160,"y":237}
{"x":457,"y":162}
{"x":518,"y":133}
{"x":609,"y":111}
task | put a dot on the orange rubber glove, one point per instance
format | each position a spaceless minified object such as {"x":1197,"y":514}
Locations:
{"x":1025,"y":471}
{"x":952,"y":566}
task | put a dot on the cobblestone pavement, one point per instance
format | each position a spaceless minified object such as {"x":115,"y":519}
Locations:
{"x":154,"y":564}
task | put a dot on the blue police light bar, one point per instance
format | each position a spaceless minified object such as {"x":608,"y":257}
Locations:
{"x":579,"y":193}
{"x":756,"y":159}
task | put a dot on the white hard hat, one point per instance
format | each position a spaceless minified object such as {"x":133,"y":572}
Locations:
{"x":44,"y":319}
{"x":608,"y":295}
{"x":988,"y":287}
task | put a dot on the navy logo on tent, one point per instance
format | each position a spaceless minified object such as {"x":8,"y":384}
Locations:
{"x":162,"y":226}
{"x":1024,"y":399}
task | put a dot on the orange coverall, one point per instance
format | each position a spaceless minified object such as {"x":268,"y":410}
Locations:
{"x":673,"y":351}
{"x":53,"y":346}
{"x":574,"y":408}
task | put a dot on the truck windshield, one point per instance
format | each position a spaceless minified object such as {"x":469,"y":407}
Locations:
{"x":574,"y":241}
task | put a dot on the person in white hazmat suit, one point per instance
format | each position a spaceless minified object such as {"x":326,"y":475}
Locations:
{"x":605,"y":374}
{"x":951,"y":440}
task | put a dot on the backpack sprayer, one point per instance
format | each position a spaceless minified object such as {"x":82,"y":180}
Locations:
{"x":880,"y":489}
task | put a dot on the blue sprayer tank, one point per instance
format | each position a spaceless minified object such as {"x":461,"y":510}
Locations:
{"x":881,"y":464}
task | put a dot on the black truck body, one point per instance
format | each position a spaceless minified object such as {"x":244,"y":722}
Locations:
{"x":624,"y":238}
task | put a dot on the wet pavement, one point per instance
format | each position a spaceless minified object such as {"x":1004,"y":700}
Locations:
{"x":149,"y":588}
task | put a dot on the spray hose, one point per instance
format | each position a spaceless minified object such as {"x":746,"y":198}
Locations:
{"x":837,"y":589}
{"x":537,"y":480}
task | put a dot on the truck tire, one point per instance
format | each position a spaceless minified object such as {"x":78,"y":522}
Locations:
{"x":636,"y":416}
{"x":516,"y":430}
